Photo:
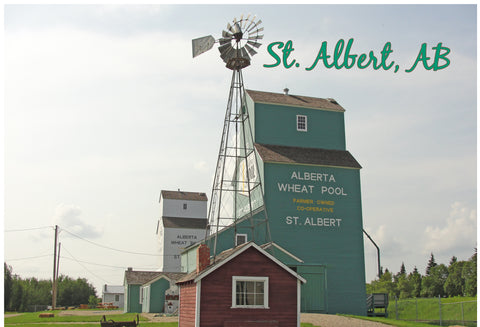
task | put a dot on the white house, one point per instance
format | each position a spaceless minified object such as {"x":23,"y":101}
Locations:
{"x":182,"y":223}
{"x":113,"y":294}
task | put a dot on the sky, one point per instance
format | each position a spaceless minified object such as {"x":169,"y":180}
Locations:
{"x":105,"y":107}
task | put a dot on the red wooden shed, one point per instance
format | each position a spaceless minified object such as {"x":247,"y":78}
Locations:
{"x":245,"y":287}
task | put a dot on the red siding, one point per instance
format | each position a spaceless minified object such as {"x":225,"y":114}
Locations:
{"x":216,"y":292}
{"x":188,"y":293}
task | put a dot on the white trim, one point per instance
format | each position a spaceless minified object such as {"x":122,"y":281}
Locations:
{"x":140,"y":295}
{"x":151,"y":281}
{"x":197,"y":304}
{"x":243,"y":249}
{"x":305,"y":122}
{"x":262,"y":279}
{"x":179,"y":304}
{"x":268,"y":245}
{"x":236,"y":240}
{"x":299,"y":301}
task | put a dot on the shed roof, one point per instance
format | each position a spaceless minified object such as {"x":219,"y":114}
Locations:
{"x":113,"y":289}
{"x":310,"y":156}
{"x":142,"y":277}
{"x":174,"y":222}
{"x":182,"y":195}
{"x":294,"y":100}
{"x":228,"y":255}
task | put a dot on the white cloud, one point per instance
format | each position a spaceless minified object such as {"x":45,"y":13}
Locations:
{"x":457,"y":234}
{"x":69,"y":217}
{"x":201,"y":166}
{"x":387,"y":241}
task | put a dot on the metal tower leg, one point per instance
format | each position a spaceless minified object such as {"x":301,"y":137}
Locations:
{"x":237,"y":192}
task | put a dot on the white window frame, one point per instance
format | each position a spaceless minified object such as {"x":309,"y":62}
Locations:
{"x":236,"y":239}
{"x":236,"y":279}
{"x":306,"y":123}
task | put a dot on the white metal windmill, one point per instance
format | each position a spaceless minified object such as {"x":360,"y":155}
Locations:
{"x":237,"y":199}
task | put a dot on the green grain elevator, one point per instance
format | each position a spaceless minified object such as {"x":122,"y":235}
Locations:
{"x":312,"y":195}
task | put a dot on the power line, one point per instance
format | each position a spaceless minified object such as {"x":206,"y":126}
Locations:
{"x":84,"y":266}
{"x":95,"y":264}
{"x":110,"y":248}
{"x":27,"y":229}
{"x":98,"y":264}
{"x":28,"y":258}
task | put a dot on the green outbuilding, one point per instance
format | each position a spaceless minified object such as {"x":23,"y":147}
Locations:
{"x":145,"y":291}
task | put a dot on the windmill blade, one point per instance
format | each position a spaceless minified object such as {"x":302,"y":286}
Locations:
{"x":256,"y":25}
{"x":251,"y":23}
{"x":237,"y":28}
{"x":255,"y":44}
{"x":225,"y":50}
{"x":256,"y":37}
{"x":244,"y":54}
{"x":202,"y":45}
{"x":229,"y":27}
{"x":258,"y":30}
{"x":226,"y":34}
{"x":250,"y":50}
{"x":223,"y":41}
{"x":228,"y":54}
{"x":245,"y":21}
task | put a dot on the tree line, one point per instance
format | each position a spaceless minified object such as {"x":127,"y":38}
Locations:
{"x":20,"y":294}
{"x":459,"y":278}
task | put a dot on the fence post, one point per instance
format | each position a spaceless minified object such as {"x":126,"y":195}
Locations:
{"x":440,"y":309}
{"x":416,"y":309}
{"x":396,"y":308}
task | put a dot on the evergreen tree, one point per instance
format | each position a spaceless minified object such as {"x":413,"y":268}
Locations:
{"x":469,"y":274}
{"x":431,"y":264}
{"x":7,"y":286}
{"x":432,"y":284}
{"x":403,"y":271}
{"x":455,"y":284}
{"x":452,"y":260}
{"x":405,"y":287}
{"x":416,"y":280}
{"x":17,"y":296}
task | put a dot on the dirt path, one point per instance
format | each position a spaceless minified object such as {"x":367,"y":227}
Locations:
{"x":89,"y":313}
{"x":324,"y":320}
{"x":315,"y":319}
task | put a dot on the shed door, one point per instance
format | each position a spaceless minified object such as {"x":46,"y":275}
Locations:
{"x":314,"y":291}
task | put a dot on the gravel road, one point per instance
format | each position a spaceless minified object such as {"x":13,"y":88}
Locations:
{"x":324,"y":320}
{"x":315,"y":319}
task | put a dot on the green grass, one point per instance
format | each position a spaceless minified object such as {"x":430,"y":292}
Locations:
{"x":147,"y":324}
{"x":392,"y":322}
{"x":33,"y":317}
{"x":428,"y":309}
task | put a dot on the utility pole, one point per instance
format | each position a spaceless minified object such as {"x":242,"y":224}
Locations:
{"x":58,"y":269}
{"x":54,"y":288}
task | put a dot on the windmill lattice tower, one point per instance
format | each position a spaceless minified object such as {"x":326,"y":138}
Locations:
{"x":237,"y":199}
